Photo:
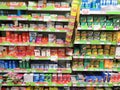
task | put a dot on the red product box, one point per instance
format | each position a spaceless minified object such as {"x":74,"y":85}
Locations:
{"x":24,"y":37}
{"x":20,"y":38}
{"x":60,"y":78}
{"x":30,"y":51}
{"x":16,"y":38}
{"x":54,"y":78}
{"x":61,"y":52}
{"x":53,"y":52}
{"x":21,"y":51}
{"x":8,"y":36}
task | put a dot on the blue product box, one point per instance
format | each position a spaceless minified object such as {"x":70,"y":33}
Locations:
{"x":36,"y":77}
{"x":42,"y":78}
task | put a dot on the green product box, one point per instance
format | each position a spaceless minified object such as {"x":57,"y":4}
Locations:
{"x":109,"y":24}
{"x":89,"y":18}
{"x":48,"y":77}
{"x":84,"y":24}
{"x":96,"y":23}
{"x":88,"y":52}
{"x":90,"y":24}
{"x":109,"y":21}
{"x":115,"y":20}
{"x":116,"y":24}
{"x":99,"y":19}
{"x":76,"y":51}
{"x":102,"y":24}
{"x":101,"y":64}
{"x":83,"y":19}
{"x":86,"y":63}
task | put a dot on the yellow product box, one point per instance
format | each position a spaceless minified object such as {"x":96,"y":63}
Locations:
{"x":112,"y":50}
{"x":77,"y":37}
{"x":118,"y":37}
{"x":100,"y":51}
{"x":94,"y":51}
{"x":106,"y":51}
{"x":74,"y":9}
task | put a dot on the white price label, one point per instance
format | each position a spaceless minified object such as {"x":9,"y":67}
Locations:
{"x":54,"y":58}
{"x":88,"y":42}
{"x":37,"y":84}
{"x":93,"y":57}
{"x":97,"y":27}
{"x":81,"y":56}
{"x":46,"y":84}
{"x":54,"y":84}
{"x":23,"y":84}
{"x":65,"y":84}
{"x":85,"y":11}
{"x":12,"y":7}
{"x":46,"y":18}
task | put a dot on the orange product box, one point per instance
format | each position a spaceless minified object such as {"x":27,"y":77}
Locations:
{"x":30,"y":51}
{"x":44,"y":39}
{"x":12,"y":51}
{"x":53,"y":52}
{"x":108,"y":64}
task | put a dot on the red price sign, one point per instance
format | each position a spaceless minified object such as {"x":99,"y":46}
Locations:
{"x":85,"y":11}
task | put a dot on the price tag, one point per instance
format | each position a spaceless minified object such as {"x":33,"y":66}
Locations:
{"x":93,"y":57}
{"x":46,"y":84}
{"x":102,"y":43}
{"x":37,"y":84}
{"x":46,"y":18}
{"x":12,"y":7}
{"x":54,"y":84}
{"x":81,"y":56}
{"x":74,"y":69}
{"x":85,"y":11}
{"x":105,"y":57}
{"x":103,"y":28}
{"x":74,"y":85}
{"x":109,"y":43}
{"x":65,"y":84}
{"x":88,"y":42}
{"x":54,"y":58}
{"x":23,"y":84}
{"x":97,"y":27}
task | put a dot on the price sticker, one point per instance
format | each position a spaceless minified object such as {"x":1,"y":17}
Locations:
{"x":97,"y":27}
{"x":85,"y":11}
{"x":88,"y":42}
{"x":46,"y":84}
{"x":65,"y":84}
{"x":12,"y":7}
{"x":54,"y":58}
{"x":46,"y":18}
